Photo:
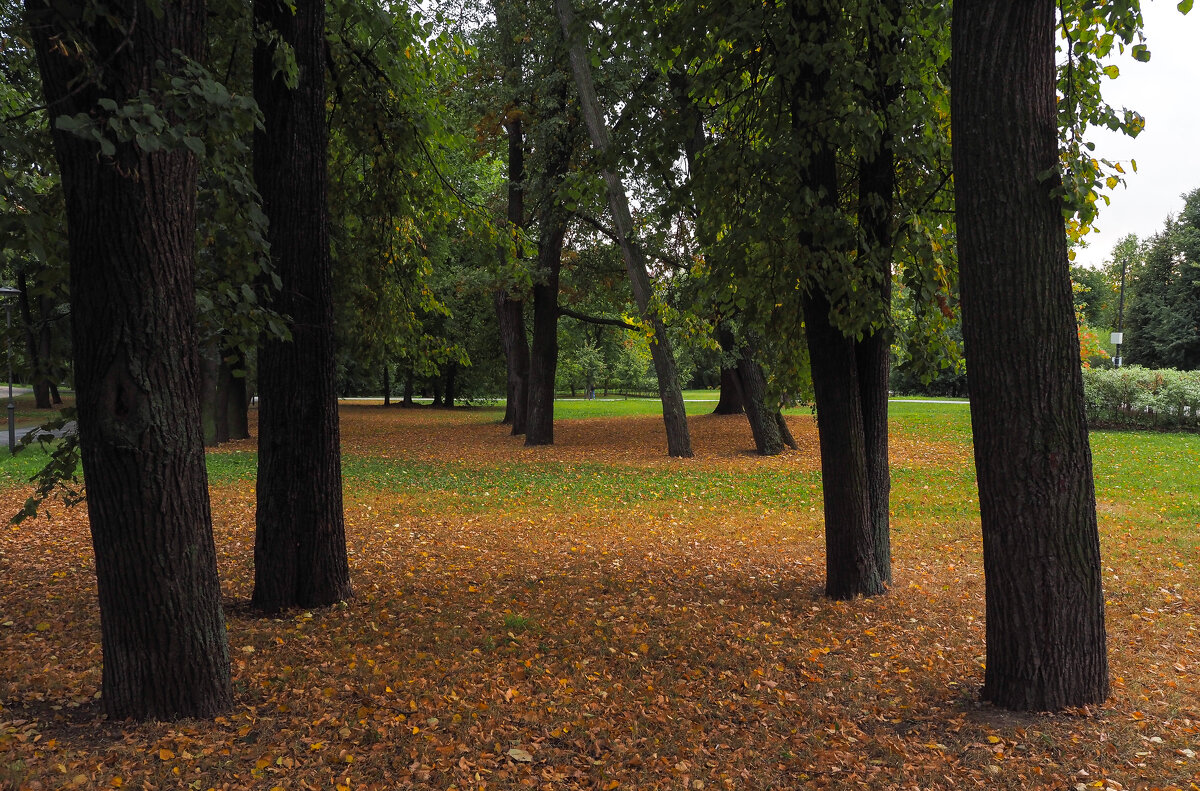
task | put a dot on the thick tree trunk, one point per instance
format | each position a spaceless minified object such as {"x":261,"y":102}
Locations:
{"x":730,"y":401}
{"x":764,"y":425}
{"x":679,"y":441}
{"x":544,"y":358}
{"x":131,"y":225}
{"x":387,"y":384}
{"x":850,"y":565}
{"x":851,"y":560}
{"x":300,"y":545}
{"x":435,"y":385}
{"x":407,"y":400}
{"x":1041,"y":549}
{"x":511,"y":315}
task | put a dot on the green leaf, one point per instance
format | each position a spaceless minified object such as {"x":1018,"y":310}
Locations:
{"x":1141,"y":53}
{"x":1184,"y":6}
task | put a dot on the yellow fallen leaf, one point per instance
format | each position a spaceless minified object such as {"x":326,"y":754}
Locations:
{"x":165,"y":755}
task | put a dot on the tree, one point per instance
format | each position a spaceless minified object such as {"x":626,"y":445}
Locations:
{"x":130,"y":205}
{"x":679,"y":441}
{"x":300,"y":542}
{"x":1045,"y":604}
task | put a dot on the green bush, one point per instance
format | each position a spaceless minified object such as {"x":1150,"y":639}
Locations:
{"x":1139,"y":397}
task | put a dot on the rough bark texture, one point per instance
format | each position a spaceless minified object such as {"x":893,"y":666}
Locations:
{"x":763,"y":425}
{"x":850,"y":568}
{"x":300,"y":545}
{"x":131,"y":224}
{"x":850,"y":561}
{"x":679,"y":441}
{"x":1041,"y":550}
{"x":451,"y":384}
{"x":876,"y":210}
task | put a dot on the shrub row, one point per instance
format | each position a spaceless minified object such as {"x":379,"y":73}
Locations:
{"x":1139,"y":397}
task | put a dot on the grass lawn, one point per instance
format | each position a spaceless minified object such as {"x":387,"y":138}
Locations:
{"x":594,"y":615}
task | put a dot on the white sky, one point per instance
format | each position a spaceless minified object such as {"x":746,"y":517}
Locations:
{"x":1167,"y":92}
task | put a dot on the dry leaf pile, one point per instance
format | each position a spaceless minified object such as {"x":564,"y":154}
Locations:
{"x":642,"y":642}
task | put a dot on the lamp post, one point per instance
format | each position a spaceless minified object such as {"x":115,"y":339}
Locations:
{"x":12,"y":408}
{"x":1118,"y":337}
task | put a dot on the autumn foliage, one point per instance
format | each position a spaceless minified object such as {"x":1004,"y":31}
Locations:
{"x":593,"y":615}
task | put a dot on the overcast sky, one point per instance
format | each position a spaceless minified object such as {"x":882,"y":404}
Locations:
{"x":1167,"y":92}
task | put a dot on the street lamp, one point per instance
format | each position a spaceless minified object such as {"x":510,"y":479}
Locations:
{"x":5,"y":291}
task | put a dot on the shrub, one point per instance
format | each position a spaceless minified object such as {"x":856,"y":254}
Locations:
{"x":1137,"y":397}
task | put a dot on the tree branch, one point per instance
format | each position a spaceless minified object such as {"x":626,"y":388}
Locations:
{"x":598,"y":319}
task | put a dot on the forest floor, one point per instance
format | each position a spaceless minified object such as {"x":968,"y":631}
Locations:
{"x":594,"y":615}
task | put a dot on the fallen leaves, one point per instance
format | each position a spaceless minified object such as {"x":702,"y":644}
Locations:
{"x":630,"y":640}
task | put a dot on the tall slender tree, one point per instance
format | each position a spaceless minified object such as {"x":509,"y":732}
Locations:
{"x":679,"y":441}
{"x":300,"y":542}
{"x":1045,"y":603}
{"x":131,"y":224}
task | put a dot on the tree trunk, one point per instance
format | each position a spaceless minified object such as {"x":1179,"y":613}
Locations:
{"x":451,"y":382}
{"x":238,"y":420}
{"x":387,"y":384}
{"x":511,"y":312}
{"x":435,"y":385}
{"x":1041,"y":550}
{"x":212,"y":416}
{"x":36,"y":362}
{"x":300,"y":544}
{"x":407,"y":401}
{"x":730,"y":401}
{"x":762,"y":418}
{"x":544,"y":358}
{"x":679,"y":441}
{"x":876,"y":208}
{"x":850,"y":561}
{"x":850,"y":568}
{"x":131,"y":228}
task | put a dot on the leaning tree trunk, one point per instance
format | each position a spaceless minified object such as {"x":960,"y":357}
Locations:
{"x":1041,"y":549}
{"x":300,"y":545}
{"x":539,"y":430}
{"x":131,"y":226}
{"x":679,"y":441}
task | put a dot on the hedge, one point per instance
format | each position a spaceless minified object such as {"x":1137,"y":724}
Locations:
{"x":1137,"y":397}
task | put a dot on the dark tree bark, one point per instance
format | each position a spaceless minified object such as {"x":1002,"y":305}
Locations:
{"x":510,"y":312}
{"x":539,"y":430}
{"x":876,"y":210}
{"x":131,"y":229}
{"x":1041,"y":549}
{"x":387,"y":384}
{"x":730,"y":401}
{"x":214,"y":395}
{"x":435,"y":385}
{"x":36,"y":342}
{"x":407,"y":400}
{"x":764,"y":425}
{"x":451,"y":384}
{"x":850,"y":562}
{"x":238,"y":420}
{"x":300,"y":544}
{"x":679,"y":440}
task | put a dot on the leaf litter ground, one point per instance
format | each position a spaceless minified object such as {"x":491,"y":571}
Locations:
{"x":594,"y":615}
